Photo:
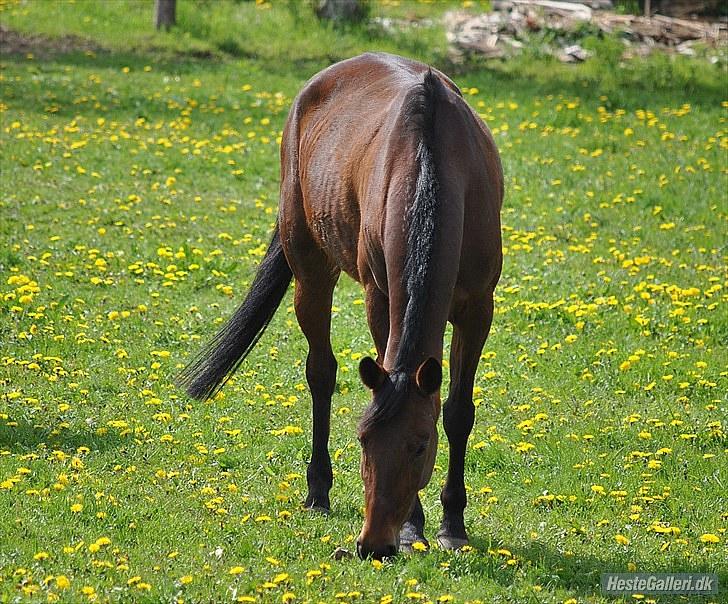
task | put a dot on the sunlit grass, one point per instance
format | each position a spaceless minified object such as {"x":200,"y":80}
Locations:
{"x":137,"y":198}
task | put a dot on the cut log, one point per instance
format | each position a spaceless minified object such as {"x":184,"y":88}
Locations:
{"x":663,"y":29}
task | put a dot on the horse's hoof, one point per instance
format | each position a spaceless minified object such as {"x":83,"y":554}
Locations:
{"x":414,"y":547}
{"x":411,"y":541}
{"x":317,"y":508}
{"x":450,"y":542}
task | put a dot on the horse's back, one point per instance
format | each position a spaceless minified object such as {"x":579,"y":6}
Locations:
{"x":330,"y":142}
{"x":345,"y":146}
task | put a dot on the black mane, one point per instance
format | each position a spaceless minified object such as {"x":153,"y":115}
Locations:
{"x":420,"y":219}
{"x":420,"y":223}
{"x":386,"y":403}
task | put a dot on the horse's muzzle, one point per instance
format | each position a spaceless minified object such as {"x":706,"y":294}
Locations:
{"x":378,"y":553}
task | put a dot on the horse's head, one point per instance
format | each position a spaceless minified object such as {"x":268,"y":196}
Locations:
{"x":398,"y":435}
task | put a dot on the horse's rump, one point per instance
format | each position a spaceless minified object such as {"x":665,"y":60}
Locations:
{"x":391,"y":164}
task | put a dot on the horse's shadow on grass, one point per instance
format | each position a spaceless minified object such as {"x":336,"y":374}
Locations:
{"x":577,"y":573}
{"x":25,"y":437}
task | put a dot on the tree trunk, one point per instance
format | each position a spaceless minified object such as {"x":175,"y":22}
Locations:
{"x":342,"y":11}
{"x":164,"y":13}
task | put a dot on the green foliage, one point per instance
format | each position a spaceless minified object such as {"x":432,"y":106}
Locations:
{"x":629,"y":7}
{"x":608,"y":51}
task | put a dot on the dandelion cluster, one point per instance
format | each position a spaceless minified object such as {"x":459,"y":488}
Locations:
{"x":137,"y":199}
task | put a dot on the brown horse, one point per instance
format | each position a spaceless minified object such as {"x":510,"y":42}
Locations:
{"x":388,"y":175}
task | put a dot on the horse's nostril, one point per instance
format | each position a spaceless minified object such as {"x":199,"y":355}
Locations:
{"x":388,"y":551}
{"x":378,"y":553}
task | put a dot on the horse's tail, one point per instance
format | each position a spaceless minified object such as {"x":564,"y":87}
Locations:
{"x":207,"y":373}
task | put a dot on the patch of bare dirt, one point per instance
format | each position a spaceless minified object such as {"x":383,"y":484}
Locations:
{"x":17,"y":43}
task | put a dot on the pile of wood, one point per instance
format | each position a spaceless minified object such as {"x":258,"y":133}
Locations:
{"x":507,"y":28}
{"x":666,"y":31}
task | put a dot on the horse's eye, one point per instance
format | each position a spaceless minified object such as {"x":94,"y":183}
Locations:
{"x":421,"y":449}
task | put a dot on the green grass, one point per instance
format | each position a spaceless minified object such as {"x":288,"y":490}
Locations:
{"x":139,"y":182}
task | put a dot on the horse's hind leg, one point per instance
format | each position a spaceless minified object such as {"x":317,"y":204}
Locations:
{"x":313,"y":310}
{"x":470,"y":331}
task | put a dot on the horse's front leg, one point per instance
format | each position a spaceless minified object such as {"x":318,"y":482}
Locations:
{"x":469,"y":334}
{"x":413,"y":530}
{"x":313,"y":310}
{"x":377,"y":317}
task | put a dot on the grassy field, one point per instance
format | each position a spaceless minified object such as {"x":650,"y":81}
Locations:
{"x":138,"y":190}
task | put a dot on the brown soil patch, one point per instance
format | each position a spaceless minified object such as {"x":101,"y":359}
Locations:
{"x":17,"y":43}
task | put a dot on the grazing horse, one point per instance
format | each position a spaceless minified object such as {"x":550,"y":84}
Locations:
{"x":388,"y":175}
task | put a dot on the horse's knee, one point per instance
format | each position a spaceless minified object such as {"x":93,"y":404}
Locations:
{"x":458,"y":418}
{"x":453,"y":496}
{"x":321,"y":373}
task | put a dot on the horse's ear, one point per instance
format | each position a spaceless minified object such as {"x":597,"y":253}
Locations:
{"x":372,"y":373}
{"x":429,"y":376}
